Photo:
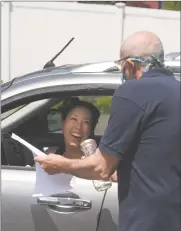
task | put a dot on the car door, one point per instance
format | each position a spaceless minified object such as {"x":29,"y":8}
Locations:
{"x":110,"y":210}
{"x":20,"y":211}
{"x":75,"y":210}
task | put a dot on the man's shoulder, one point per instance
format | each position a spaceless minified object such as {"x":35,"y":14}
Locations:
{"x":131,"y":88}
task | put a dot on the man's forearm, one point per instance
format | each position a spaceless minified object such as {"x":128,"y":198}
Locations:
{"x":87,"y":168}
{"x":99,"y":166}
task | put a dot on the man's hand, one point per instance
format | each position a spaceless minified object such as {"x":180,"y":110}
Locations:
{"x":114,"y":177}
{"x":52,"y":164}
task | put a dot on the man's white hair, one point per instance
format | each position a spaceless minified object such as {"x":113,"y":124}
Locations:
{"x":142,"y":44}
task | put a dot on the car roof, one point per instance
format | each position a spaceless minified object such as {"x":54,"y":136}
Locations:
{"x":68,"y":68}
{"x":51,"y":78}
{"x":43,"y":75}
{"x":93,"y":71}
{"x":64,"y":69}
{"x":171,"y":56}
{"x":95,"y":67}
{"x":86,"y":68}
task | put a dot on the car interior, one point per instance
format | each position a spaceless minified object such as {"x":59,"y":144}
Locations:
{"x":39,"y":123}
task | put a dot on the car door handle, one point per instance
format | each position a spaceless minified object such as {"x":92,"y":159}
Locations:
{"x":65,"y":205}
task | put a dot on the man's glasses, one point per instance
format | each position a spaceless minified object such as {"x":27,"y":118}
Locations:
{"x":153,"y":61}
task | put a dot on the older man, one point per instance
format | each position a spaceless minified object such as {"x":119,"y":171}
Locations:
{"x":141,"y":141}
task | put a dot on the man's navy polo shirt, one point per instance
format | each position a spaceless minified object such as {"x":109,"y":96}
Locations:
{"x":144,"y":133}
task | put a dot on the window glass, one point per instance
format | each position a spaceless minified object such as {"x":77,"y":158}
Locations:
{"x":54,"y":118}
{"x":10,"y":112}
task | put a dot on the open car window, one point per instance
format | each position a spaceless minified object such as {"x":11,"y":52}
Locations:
{"x":40,"y":123}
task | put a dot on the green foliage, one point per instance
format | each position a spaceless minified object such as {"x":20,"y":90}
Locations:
{"x":168,"y":5}
{"x":172,"y":5}
{"x":103,"y":104}
{"x":57,"y":106}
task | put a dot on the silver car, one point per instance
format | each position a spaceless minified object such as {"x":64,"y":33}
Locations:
{"x":172,"y":61}
{"x":28,"y":106}
{"x":28,"y":110}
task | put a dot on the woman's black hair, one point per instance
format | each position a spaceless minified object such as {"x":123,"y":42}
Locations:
{"x":69,"y":104}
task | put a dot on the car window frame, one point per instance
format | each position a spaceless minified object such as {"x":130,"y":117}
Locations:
{"x":60,"y":90}
{"x":94,"y":89}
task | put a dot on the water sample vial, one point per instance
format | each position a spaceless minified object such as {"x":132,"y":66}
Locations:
{"x":89,"y":147}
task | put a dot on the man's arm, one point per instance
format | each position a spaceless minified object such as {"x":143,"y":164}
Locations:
{"x":99,"y":166}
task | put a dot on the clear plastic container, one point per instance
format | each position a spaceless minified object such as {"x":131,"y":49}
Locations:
{"x":89,"y":147}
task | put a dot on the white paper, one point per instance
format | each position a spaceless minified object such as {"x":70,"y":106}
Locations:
{"x":45,"y":184}
{"x":35,"y":150}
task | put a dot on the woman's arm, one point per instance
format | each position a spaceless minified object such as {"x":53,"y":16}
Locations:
{"x":51,"y":150}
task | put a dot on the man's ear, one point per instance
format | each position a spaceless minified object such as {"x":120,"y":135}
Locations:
{"x":129,"y":69}
{"x":128,"y":61}
{"x":131,"y":65}
{"x":134,"y":68}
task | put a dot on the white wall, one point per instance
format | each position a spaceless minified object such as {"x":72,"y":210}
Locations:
{"x":38,"y":30}
{"x":166,"y":24}
{"x":5,"y":48}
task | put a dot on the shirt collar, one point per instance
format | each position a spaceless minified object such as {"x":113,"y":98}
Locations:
{"x":158,"y":72}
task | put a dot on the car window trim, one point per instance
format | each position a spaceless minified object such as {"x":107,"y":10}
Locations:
{"x":49,"y":92}
{"x":12,"y":167}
